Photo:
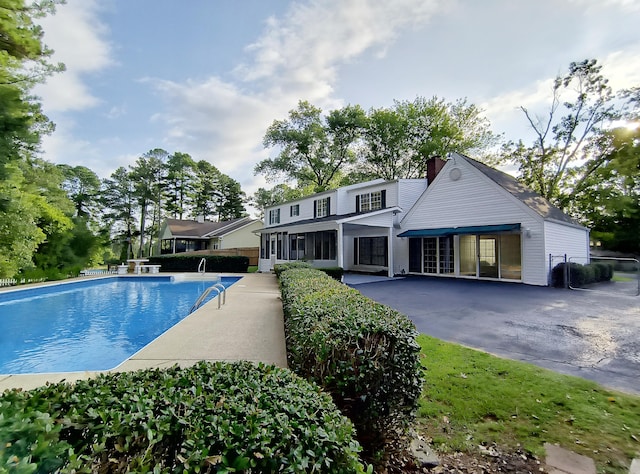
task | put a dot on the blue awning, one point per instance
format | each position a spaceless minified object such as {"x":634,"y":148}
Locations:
{"x":474,"y":229}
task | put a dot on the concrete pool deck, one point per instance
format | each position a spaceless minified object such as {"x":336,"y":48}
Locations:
{"x":250,"y":326}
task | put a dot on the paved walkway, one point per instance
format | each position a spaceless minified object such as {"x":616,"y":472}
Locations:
{"x":248,"y":327}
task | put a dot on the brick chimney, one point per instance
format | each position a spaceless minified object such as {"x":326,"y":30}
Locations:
{"x":434,"y":165}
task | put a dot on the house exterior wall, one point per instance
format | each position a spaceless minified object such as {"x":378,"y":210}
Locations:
{"x":461,"y":195}
{"x":566,"y":240}
{"x":305,"y":208}
{"x":243,"y":237}
{"x":347,"y":203}
{"x":408,"y":192}
{"x":475,"y":200}
{"x":351,"y":232}
{"x":346,"y":196}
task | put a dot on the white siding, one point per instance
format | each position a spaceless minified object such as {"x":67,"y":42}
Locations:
{"x":347,"y":195}
{"x":409,"y":190}
{"x":243,"y":237}
{"x":400,"y":254}
{"x":384,"y":219}
{"x":305,"y":210}
{"x":347,"y":204}
{"x":475,"y":200}
{"x":566,"y":240}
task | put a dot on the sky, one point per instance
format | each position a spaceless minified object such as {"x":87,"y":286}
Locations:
{"x":207,"y":77}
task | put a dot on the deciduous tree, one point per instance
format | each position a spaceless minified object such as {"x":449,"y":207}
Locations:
{"x":581,"y":106}
{"x":23,"y":63}
{"x":312,"y":149}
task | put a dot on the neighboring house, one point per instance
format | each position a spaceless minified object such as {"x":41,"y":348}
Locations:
{"x":465,"y":220}
{"x":177,"y":236}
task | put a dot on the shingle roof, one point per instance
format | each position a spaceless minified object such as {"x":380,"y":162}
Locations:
{"x":195,"y":229}
{"x":533,"y":200}
{"x":230,"y":226}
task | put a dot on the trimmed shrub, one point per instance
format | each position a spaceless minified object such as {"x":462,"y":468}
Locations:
{"x":207,"y":418}
{"x":361,"y":352}
{"x":605,"y":271}
{"x":334,"y":272}
{"x":596,"y":271}
{"x":190,"y":263}
{"x":581,"y":275}
{"x":278,"y":268}
{"x":558,"y":277}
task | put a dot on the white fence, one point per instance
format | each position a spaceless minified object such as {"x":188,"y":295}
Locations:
{"x":13,"y":281}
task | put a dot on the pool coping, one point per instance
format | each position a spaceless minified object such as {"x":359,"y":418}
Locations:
{"x":250,"y":326}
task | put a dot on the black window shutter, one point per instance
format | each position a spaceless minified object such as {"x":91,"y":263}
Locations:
{"x":383,"y":198}
{"x":355,"y":250}
{"x":358,"y":203}
{"x":328,"y":206}
{"x":315,"y":209}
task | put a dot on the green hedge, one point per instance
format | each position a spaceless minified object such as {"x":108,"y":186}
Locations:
{"x":361,"y":352}
{"x":218,"y":417}
{"x":190,"y":263}
{"x":278,"y":268}
{"x":334,"y":272}
{"x":580,"y":275}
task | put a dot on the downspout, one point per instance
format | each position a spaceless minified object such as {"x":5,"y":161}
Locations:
{"x":340,"y":245}
{"x":390,"y":252}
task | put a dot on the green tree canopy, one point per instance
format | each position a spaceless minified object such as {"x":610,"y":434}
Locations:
{"x":609,"y":201}
{"x":312,"y":149}
{"x":582,"y":105}
{"x":180,"y":179}
{"x":27,"y":216}
{"x":83,"y":188}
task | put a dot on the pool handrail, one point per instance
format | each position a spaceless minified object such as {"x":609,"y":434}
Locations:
{"x":206,"y":292}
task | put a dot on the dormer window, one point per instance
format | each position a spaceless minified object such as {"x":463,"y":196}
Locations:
{"x":274,"y":216}
{"x":321,"y":207}
{"x":371,"y":201}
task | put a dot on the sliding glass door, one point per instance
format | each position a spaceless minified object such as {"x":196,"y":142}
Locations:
{"x":496,"y":256}
{"x":468,"y":256}
{"x":488,"y":256}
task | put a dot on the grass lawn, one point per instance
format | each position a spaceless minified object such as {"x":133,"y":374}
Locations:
{"x":473,"y":398}
{"x":617,"y":277}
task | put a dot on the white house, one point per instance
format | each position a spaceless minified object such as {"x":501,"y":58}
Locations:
{"x":465,"y":220}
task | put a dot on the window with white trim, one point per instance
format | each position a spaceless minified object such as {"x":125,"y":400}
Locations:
{"x":294,"y":210}
{"x":274,"y":216}
{"x":370,"y":201}
{"x":322,"y":207}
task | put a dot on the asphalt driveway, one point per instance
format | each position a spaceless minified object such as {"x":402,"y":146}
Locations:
{"x":591,"y":335}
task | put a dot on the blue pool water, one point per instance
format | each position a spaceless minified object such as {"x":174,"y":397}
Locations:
{"x":90,"y":325}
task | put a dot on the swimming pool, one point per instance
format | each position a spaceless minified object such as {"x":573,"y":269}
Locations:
{"x":92,"y":324}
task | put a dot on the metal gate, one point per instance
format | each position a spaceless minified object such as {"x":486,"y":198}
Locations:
{"x":555,"y":260}
{"x":617,"y":276}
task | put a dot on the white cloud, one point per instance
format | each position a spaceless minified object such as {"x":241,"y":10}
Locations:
{"x":214,"y":120}
{"x":296,"y":58}
{"x":304,"y":48}
{"x":621,"y":68}
{"x":64,"y":147}
{"x":630,"y":5}
{"x":78,"y":39}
